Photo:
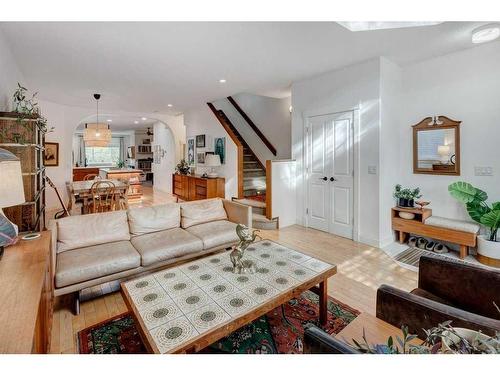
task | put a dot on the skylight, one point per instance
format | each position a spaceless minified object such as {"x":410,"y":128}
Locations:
{"x":376,"y":25}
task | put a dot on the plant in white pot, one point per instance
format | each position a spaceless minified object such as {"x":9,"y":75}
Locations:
{"x":488,"y":215}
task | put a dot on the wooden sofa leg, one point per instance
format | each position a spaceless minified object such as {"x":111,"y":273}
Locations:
{"x":77,"y":303}
{"x":464,"y":251}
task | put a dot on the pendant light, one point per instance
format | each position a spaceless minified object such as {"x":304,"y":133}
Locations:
{"x":97,"y":134}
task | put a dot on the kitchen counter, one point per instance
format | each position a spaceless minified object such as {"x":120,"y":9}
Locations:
{"x":133,"y":176}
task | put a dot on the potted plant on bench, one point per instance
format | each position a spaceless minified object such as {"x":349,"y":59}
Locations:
{"x":406,"y":196}
{"x":488,"y":246}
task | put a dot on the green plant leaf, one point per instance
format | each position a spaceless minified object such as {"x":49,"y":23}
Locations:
{"x":476,"y":211}
{"x":496,"y":206}
{"x":465,"y":192}
{"x":491,"y":219}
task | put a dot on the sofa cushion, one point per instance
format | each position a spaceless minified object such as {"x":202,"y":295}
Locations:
{"x":87,"y":263}
{"x":215,"y":233}
{"x":87,"y":230}
{"x":166,"y":244}
{"x":153,"y":219}
{"x":203,"y":211}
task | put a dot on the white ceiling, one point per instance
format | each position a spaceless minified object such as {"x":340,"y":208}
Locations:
{"x":145,"y":66}
{"x":120,"y":122}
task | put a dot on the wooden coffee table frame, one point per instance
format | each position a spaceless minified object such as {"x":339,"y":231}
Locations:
{"x":213,"y":335}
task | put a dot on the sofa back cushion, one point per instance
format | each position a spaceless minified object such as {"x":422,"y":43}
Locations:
{"x":87,"y":230}
{"x":153,"y":219}
{"x":204,"y":211}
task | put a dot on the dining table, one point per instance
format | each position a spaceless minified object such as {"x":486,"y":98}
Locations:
{"x":81,"y":190}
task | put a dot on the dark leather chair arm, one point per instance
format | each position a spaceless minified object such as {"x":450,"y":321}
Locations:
{"x":317,"y":341}
{"x":400,"y":308}
{"x":467,"y":286}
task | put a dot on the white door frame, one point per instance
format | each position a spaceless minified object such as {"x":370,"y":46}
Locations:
{"x":307,"y":162}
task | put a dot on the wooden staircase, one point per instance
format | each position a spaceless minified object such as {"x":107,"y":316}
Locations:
{"x":251,"y":175}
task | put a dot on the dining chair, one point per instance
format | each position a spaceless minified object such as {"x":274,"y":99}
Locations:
{"x":123,"y":196}
{"x":91,"y":176}
{"x":73,"y":200}
{"x":103,"y":197}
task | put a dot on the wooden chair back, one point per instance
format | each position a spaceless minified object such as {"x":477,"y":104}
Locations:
{"x":103,"y":196}
{"x":90,"y":176}
{"x":123,"y":198}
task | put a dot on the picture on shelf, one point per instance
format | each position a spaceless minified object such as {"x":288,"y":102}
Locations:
{"x":51,"y":154}
{"x":190,"y":152}
{"x":220,"y":148}
{"x":200,"y":158}
{"x":200,"y":141}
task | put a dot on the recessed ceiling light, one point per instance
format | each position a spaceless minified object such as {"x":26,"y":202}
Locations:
{"x":169,"y":105}
{"x":144,"y":118}
{"x":486,"y":33}
{"x":136,"y":122}
{"x":374,"y":25}
{"x":222,"y":81}
{"x":109,"y":120}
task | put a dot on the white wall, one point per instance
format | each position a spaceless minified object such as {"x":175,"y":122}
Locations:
{"x":201,"y":120}
{"x":390,"y":123}
{"x":10,"y":75}
{"x":272,"y":117}
{"x":354,"y":87}
{"x":162,"y":172}
{"x":464,"y":86}
{"x":65,"y":119}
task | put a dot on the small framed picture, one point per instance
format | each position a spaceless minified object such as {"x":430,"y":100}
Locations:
{"x":190,"y":152}
{"x":200,"y":158}
{"x":200,"y":141}
{"x":51,"y":154}
{"x":220,"y":148}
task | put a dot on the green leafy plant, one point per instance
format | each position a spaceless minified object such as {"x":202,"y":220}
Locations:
{"x":433,"y":344}
{"x":183,"y":167}
{"x":406,"y":193}
{"x":120,"y":164}
{"x":26,"y":108}
{"x":475,"y":202}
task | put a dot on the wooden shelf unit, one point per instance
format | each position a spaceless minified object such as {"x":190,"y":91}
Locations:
{"x":193,"y":187}
{"x":403,"y":227}
{"x":26,"y":140}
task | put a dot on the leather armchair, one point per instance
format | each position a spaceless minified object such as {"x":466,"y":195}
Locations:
{"x":447,"y":290}
{"x":317,"y":341}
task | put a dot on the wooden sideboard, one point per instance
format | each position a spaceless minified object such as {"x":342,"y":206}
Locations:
{"x":193,"y":187}
{"x":26,"y":296}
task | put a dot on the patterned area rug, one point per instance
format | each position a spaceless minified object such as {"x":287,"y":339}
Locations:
{"x":279,"y":331}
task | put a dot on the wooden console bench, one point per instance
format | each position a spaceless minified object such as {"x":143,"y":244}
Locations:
{"x":403,"y":227}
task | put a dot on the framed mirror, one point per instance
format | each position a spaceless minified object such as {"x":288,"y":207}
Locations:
{"x":436,"y":146}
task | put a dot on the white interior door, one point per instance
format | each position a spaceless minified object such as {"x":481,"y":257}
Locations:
{"x":330,"y":173}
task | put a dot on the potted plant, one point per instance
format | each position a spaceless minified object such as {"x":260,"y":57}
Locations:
{"x":406,"y":196}
{"x":481,"y":212}
{"x":443,"y":339}
{"x":183,"y":167}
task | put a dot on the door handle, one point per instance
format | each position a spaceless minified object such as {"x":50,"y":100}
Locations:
{"x":324,"y":178}
{"x":332,"y":179}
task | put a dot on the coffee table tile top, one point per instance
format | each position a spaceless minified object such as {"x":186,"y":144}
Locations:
{"x":180,"y":303}
{"x":160,"y":313}
{"x":208,"y":316}
{"x":173,"y":333}
{"x":142,"y":285}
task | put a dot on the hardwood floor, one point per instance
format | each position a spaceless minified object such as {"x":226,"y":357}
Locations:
{"x":361,"y":270}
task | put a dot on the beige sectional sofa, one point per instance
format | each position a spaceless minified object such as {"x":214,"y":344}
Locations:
{"x":89,"y":250}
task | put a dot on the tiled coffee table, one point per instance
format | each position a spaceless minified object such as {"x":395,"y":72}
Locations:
{"x":188,"y":307}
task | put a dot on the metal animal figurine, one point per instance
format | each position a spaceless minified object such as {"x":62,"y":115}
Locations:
{"x":236,"y":256}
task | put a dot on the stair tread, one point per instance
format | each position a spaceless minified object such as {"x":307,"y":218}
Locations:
{"x":254,"y":177}
{"x":252,"y":169}
{"x":259,"y":217}
{"x":251,"y":202}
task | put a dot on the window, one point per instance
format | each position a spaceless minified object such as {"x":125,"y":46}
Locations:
{"x":109,"y":155}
